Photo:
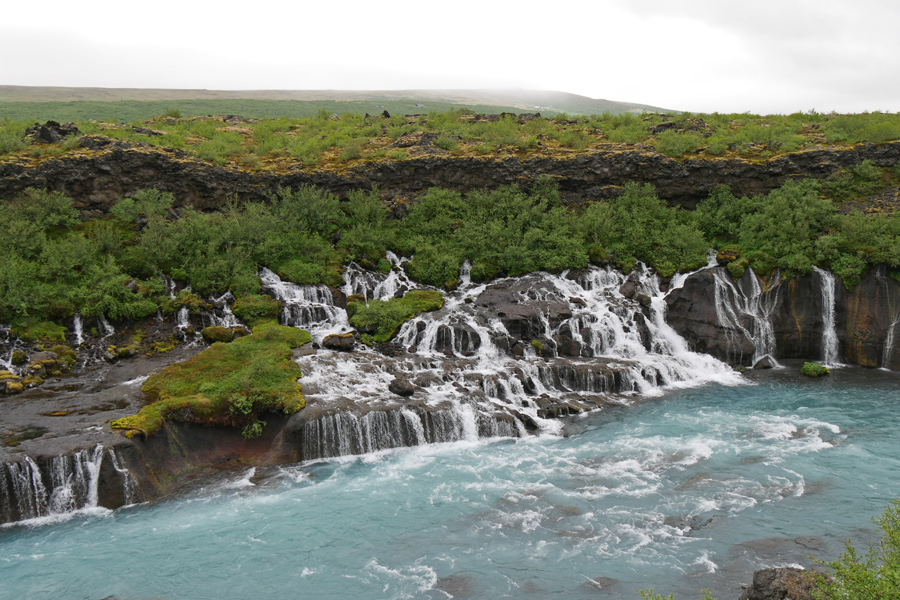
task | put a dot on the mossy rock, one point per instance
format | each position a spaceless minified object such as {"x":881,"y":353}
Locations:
{"x":227,"y":384}
{"x":8,"y":376}
{"x":812,"y":369}
{"x":19,"y":357}
{"x":727,"y":255}
{"x":252,"y":308}
{"x":161,"y":347}
{"x":738,"y":267}
{"x":33,"y":381}
{"x":217,"y":334}
{"x":33,"y":331}
{"x":67,"y":356}
{"x":381,"y":319}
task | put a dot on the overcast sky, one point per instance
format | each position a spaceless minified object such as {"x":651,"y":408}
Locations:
{"x":767,"y":56}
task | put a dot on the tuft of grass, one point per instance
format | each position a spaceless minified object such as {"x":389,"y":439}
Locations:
{"x":227,"y":384}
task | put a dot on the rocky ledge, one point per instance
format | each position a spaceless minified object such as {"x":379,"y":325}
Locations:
{"x":105,"y":170}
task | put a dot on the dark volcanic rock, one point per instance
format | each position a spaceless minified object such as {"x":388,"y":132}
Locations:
{"x":51,"y":132}
{"x":785,"y":583}
{"x":692,"y":313}
{"x":402,"y":387}
{"x":339,"y":341}
{"x":119,"y":169}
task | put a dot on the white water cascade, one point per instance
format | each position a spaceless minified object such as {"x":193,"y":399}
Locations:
{"x":79,"y":329}
{"x":69,"y":484}
{"x":496,"y":360}
{"x":737,"y":310}
{"x":105,"y":326}
{"x":830,"y":351}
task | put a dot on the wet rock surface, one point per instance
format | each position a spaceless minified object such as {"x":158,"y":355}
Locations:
{"x":785,"y":583}
{"x":724,"y":318}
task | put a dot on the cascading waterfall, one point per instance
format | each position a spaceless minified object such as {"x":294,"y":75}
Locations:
{"x":734,"y":309}
{"x":69,"y":484}
{"x":131,"y":491}
{"x":105,"y":326}
{"x":79,"y":329}
{"x":830,"y":351}
{"x":222,"y":316}
{"x":474,"y":376}
{"x":309,"y":307}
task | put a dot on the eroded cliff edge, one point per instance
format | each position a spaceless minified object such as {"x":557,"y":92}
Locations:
{"x":104,"y":170}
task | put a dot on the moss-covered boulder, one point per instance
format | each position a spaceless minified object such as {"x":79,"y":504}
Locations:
{"x":252,"y":308}
{"x":30,"y":330}
{"x":232,"y":384}
{"x":340,"y":341}
{"x":10,"y":383}
{"x":382,"y":318}
{"x":812,"y":369}
{"x":217,"y":334}
{"x":19,"y":357}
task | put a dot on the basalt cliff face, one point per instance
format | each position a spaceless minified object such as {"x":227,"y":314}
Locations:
{"x":105,"y":170}
{"x":813,"y":317}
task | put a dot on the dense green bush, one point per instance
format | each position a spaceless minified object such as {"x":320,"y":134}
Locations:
{"x":872,"y":576}
{"x":638,"y":225}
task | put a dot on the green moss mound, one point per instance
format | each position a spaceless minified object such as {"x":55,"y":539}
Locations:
{"x":31,"y":330}
{"x":227,"y":384}
{"x":256,"y":307}
{"x":217,"y":334}
{"x":382,"y":318}
{"x":811,"y":369}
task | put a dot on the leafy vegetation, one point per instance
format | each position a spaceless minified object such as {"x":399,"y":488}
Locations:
{"x":872,"y":576}
{"x":233,"y":384}
{"x":53,"y":264}
{"x":332,"y":136}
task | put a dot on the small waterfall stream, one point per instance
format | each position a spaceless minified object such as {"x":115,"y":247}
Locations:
{"x":746,"y":314}
{"x":830,"y":350}
{"x":68,"y":484}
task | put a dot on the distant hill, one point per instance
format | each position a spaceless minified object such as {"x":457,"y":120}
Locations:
{"x":72,"y":103}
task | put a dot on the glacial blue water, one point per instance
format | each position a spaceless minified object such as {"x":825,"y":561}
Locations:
{"x":688,"y":491}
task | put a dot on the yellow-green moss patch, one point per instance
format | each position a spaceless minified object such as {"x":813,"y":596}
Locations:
{"x":228,"y":384}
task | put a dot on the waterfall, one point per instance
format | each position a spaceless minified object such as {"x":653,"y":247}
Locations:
{"x":221,"y":315}
{"x":79,"y":331}
{"x":310,"y":307}
{"x":474,"y":367}
{"x":182,"y":319}
{"x":830,"y":351}
{"x":465,"y":274}
{"x":734,"y":308}
{"x":888,"y":350}
{"x":106,"y":329}
{"x":70,"y":483}
{"x":131,"y":491}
